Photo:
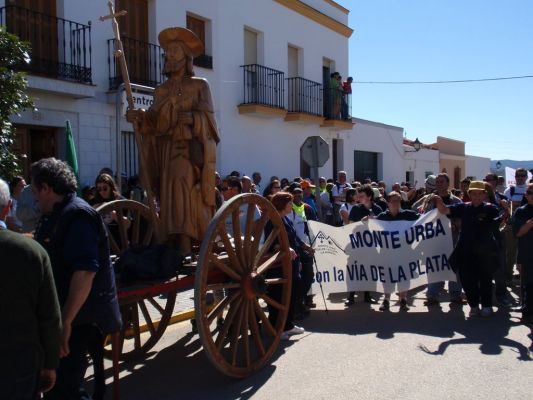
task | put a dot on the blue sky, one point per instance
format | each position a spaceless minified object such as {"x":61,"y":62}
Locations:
{"x":429,"y":40}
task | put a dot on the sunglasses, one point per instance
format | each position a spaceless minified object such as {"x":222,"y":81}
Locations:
{"x":520,"y":176}
{"x":276,"y":187}
{"x":102,"y":188}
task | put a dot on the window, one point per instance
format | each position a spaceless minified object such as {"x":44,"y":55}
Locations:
{"x":365,"y":165}
{"x":201,"y":27}
{"x":250,"y":47}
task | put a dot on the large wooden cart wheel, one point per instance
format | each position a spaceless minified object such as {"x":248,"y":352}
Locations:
{"x":145,"y":316}
{"x":245,"y":273}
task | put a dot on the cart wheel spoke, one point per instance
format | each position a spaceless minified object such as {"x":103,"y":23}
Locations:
{"x":272,"y":261}
{"x":270,"y":301}
{"x":147,"y":317}
{"x":248,"y":234}
{"x":223,"y":267}
{"x":227,"y":324}
{"x":236,"y":332}
{"x":266,"y":246}
{"x":264,"y":319}
{"x":156,"y":305}
{"x":276,"y":281}
{"x":221,"y":286}
{"x":219,"y":308}
{"x":229,"y":249}
{"x":254,"y":328}
{"x":237,"y":236}
{"x":245,"y":336}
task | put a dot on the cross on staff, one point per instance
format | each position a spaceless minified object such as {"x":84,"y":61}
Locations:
{"x":119,"y":51}
{"x":119,"y":54}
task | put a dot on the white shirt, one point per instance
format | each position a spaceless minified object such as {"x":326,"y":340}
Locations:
{"x":243,"y":210}
{"x":299,"y":225}
{"x":339,"y":190}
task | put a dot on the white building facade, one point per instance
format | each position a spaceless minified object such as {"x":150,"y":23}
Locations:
{"x":268,"y":63}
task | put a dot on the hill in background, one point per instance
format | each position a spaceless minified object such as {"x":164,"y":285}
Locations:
{"x":512,"y":164}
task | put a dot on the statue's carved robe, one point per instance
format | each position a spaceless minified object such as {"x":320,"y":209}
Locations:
{"x":180,"y":137}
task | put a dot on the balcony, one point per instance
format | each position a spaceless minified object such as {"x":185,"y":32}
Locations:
{"x":145,"y":63}
{"x":304,"y":101}
{"x":264,"y":91}
{"x":60,"y":49}
{"x":337,"y":109}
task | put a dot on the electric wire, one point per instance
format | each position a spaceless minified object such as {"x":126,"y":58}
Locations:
{"x":443,"y":82}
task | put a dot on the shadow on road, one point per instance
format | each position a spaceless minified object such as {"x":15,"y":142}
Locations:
{"x":182,"y":371}
{"x":362,"y":319}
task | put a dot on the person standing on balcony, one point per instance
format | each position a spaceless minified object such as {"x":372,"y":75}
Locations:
{"x":181,"y":135}
{"x":346,"y":97}
{"x":334,"y":96}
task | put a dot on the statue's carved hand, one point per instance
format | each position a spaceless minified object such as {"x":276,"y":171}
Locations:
{"x":136,"y":115}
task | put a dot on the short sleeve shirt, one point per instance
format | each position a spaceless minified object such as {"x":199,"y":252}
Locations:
{"x":339,"y":190}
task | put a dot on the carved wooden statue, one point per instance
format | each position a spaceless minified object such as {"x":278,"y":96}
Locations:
{"x":179,"y":138}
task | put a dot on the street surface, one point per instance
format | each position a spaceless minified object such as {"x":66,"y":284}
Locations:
{"x":356,"y":353}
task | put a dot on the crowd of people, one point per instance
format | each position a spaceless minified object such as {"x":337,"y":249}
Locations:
{"x":489,"y":222}
{"x":61,"y":244}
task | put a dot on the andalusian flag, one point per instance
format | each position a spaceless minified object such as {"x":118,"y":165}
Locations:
{"x":70,"y":156}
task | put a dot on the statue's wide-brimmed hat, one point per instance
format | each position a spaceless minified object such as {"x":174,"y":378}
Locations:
{"x":186,"y":36}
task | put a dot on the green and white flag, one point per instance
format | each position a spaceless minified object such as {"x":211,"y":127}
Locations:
{"x":70,"y":156}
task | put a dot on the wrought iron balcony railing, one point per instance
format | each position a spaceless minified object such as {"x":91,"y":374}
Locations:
{"x":263,"y":85}
{"x":305,"y":96}
{"x":145,"y":63}
{"x":60,"y":49}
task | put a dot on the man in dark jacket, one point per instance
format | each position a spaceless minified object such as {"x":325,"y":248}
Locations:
{"x":523,"y":229}
{"x":75,"y":237}
{"x":31,"y":320}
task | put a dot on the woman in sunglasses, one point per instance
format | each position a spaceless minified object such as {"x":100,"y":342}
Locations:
{"x":106,"y":191}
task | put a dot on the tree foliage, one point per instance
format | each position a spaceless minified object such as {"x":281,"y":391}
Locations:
{"x":13,"y":97}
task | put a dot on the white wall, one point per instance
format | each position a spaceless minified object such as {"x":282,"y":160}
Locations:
{"x":477,"y":167}
{"x":422,"y":162}
{"x":386,"y":140}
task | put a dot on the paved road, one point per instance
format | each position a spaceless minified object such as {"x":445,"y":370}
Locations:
{"x":357,"y":353}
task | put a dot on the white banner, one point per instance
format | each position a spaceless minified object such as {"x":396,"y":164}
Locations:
{"x":382,"y":256}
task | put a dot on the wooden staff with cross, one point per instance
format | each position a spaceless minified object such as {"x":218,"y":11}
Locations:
{"x":119,"y":55}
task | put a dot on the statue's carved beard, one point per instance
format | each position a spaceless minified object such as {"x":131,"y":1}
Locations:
{"x":174,"y":65}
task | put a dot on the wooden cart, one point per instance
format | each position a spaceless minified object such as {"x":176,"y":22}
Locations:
{"x":236,"y":270}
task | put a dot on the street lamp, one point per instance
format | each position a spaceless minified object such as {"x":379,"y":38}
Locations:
{"x":417,"y":145}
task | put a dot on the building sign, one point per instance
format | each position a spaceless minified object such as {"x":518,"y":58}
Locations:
{"x":140,"y":100}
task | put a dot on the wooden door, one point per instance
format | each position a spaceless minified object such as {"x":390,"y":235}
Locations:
{"x":35,"y":21}
{"x":134,"y":33}
{"x":33,"y":143}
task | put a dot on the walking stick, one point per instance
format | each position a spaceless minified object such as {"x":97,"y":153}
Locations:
{"x":317,"y":271}
{"x":119,"y":55}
